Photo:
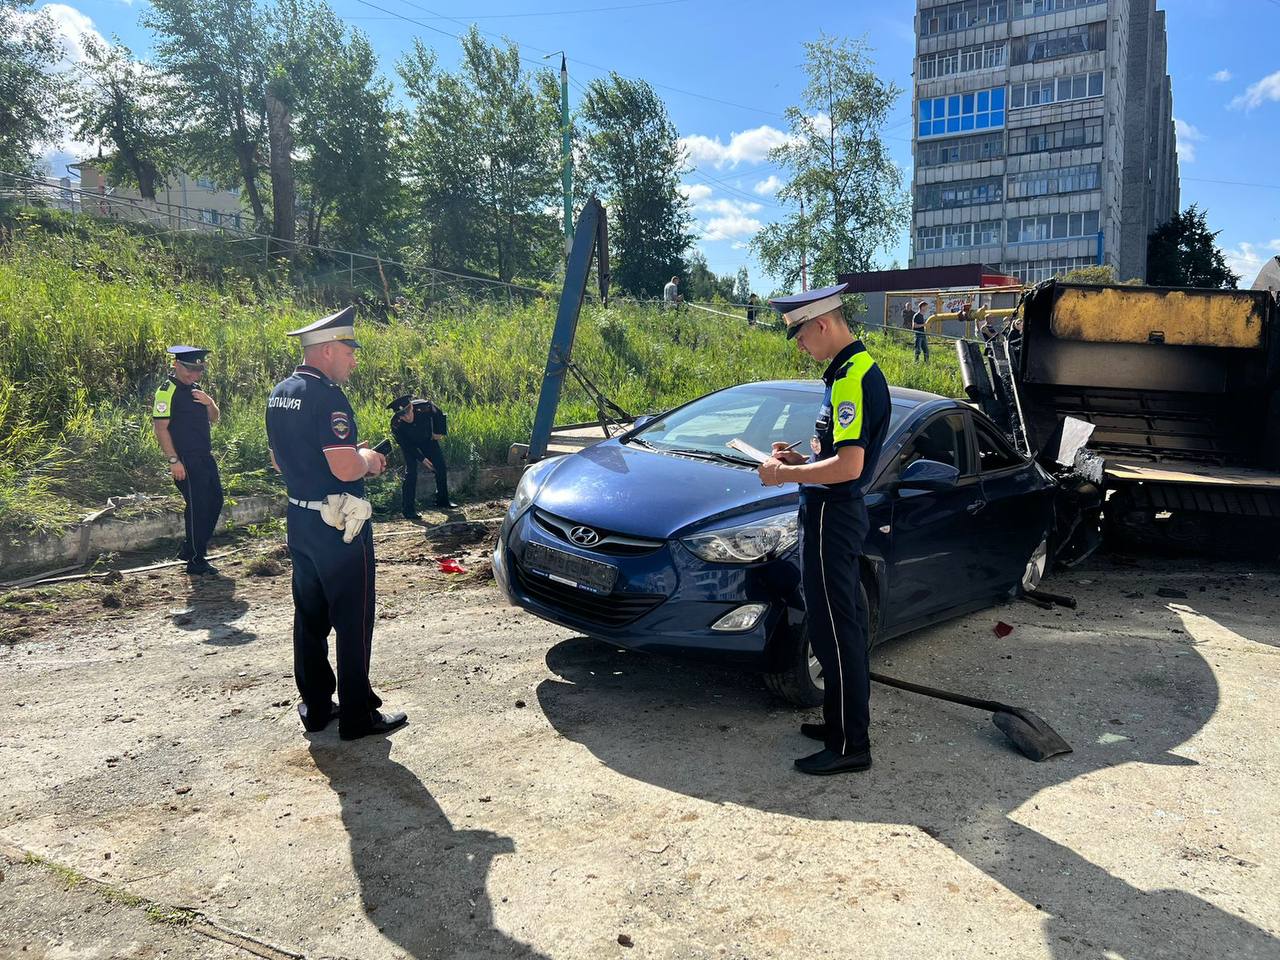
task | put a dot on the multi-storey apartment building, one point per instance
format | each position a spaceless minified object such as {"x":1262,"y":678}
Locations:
{"x":1043,"y":134}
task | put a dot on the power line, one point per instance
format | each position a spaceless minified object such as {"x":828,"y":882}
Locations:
{"x":584,"y":63}
{"x":561,"y":13}
{"x":1236,"y":183}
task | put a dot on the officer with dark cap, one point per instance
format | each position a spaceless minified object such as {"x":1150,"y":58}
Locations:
{"x":851,"y":428}
{"x":181,"y":415}
{"x":315,"y":444}
{"x":419,"y":426}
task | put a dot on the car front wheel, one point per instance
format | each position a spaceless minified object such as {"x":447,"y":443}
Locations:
{"x":800,"y":682}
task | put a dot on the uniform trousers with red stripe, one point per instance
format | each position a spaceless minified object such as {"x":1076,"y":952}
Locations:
{"x":333,"y":589}
{"x":832,"y":531}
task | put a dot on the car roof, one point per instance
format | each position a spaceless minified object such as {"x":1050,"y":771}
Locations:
{"x":903,"y":396}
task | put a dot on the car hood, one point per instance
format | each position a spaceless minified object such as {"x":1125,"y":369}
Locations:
{"x":643,"y":493}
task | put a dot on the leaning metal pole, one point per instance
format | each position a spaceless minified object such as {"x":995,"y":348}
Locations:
{"x":589,"y":237}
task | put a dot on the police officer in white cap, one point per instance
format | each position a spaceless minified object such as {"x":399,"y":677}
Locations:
{"x":850,"y":431}
{"x":315,"y":444}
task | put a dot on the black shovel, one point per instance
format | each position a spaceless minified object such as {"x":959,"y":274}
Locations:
{"x":1031,"y":735}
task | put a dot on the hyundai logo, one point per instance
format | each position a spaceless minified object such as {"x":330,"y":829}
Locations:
{"x":584,"y":536}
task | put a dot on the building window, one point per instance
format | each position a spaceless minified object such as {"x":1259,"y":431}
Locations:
{"x":957,"y":235}
{"x":205,"y":183}
{"x":936,"y":153}
{"x":1036,"y":93}
{"x":1034,"y":8}
{"x":983,"y":56}
{"x":1044,"y":183}
{"x":1038,"y":270}
{"x":962,"y":16}
{"x":1053,"y":226}
{"x":1053,"y":44}
{"x":961,"y":112}
{"x":1066,"y":135}
{"x":959,"y":193}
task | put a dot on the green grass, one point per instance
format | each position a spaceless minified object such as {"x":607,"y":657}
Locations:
{"x":86,"y":310}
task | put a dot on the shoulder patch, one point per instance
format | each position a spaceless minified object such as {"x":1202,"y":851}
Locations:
{"x":163,"y":400}
{"x":340,"y":424}
{"x":846,"y":413}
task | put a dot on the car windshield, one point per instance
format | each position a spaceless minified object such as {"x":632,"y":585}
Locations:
{"x":759,"y":413}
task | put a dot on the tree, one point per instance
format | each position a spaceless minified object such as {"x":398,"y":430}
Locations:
{"x":630,"y":155}
{"x":349,"y":134}
{"x":1182,"y":253}
{"x":30,"y":111}
{"x":742,"y":286}
{"x":127,"y":109}
{"x":483,"y":159}
{"x":217,"y":50}
{"x":703,"y":284}
{"x":840,"y":169}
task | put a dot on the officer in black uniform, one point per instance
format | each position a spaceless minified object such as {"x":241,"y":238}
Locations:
{"x":419,"y":426}
{"x":181,"y":415}
{"x":315,"y":444}
{"x":851,"y":428}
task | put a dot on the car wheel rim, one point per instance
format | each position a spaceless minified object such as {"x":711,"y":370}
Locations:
{"x":1036,"y":564}
{"x":815,"y":668}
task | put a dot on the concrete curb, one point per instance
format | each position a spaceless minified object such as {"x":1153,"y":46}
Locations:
{"x":102,"y":532}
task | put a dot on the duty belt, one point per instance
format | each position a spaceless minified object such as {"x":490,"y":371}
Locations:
{"x":307,"y":504}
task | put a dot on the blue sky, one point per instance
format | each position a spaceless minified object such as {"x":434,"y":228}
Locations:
{"x":728,"y":70}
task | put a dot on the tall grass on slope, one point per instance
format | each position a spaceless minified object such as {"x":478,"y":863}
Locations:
{"x":85,"y":318}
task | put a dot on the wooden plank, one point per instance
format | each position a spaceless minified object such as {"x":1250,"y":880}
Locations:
{"x":1193,"y":473}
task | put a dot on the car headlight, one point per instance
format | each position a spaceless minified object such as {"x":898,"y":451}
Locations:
{"x":747,"y":542}
{"x":528,"y":487}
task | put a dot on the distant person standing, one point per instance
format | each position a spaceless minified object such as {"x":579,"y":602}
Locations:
{"x":181,"y":416}
{"x":752,"y":306}
{"x":918,"y":327}
{"x":907,"y":314}
{"x":419,"y":426}
{"x":671,"y":294}
{"x":965,"y":316}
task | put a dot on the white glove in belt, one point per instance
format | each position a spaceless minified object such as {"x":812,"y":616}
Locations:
{"x":346,"y":513}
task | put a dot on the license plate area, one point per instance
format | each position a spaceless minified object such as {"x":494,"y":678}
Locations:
{"x":591,"y":575}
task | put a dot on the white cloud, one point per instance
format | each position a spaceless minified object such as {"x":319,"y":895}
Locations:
{"x":1268,"y":88}
{"x":695,"y":192}
{"x":1188,"y":136}
{"x":731,"y":227}
{"x":748,"y":146}
{"x":727,"y":207}
{"x":1247,"y":259}
{"x":72,"y":26}
{"x":1222,"y":76}
{"x":739,"y":245}
{"x":768,"y":186}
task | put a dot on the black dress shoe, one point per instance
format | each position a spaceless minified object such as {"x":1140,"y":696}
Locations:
{"x":814,"y":731}
{"x":826,"y":762}
{"x":314,"y":723}
{"x":184,"y":553}
{"x":201,"y":568}
{"x":379,"y":723}
{"x":446,"y":505}
{"x":413,"y":516}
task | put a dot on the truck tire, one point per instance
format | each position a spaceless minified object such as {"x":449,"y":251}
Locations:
{"x":800,"y":681}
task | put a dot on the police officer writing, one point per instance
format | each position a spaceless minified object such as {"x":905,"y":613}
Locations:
{"x":316,"y":446}
{"x":181,"y":416}
{"x":851,"y":428}
{"x":419,"y":426}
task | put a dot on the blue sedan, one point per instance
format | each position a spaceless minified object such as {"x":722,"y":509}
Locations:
{"x":663,"y":539}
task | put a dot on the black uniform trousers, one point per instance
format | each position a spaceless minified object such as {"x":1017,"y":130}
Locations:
{"x":202,"y":492}
{"x":333,"y":588}
{"x":412,"y":460}
{"x":832,"y":532}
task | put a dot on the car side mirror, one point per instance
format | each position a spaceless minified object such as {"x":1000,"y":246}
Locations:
{"x":928,"y":475}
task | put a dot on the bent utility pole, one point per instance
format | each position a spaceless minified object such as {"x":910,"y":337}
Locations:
{"x":590,"y":239}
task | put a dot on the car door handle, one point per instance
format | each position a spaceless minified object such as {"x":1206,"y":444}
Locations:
{"x":975,"y":507}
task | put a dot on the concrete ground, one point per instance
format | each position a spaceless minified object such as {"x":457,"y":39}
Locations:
{"x":554,"y":797}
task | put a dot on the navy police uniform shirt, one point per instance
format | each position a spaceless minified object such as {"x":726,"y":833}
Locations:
{"x":428,"y":420}
{"x":188,"y":420}
{"x":855,"y":412}
{"x":308,"y":414}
